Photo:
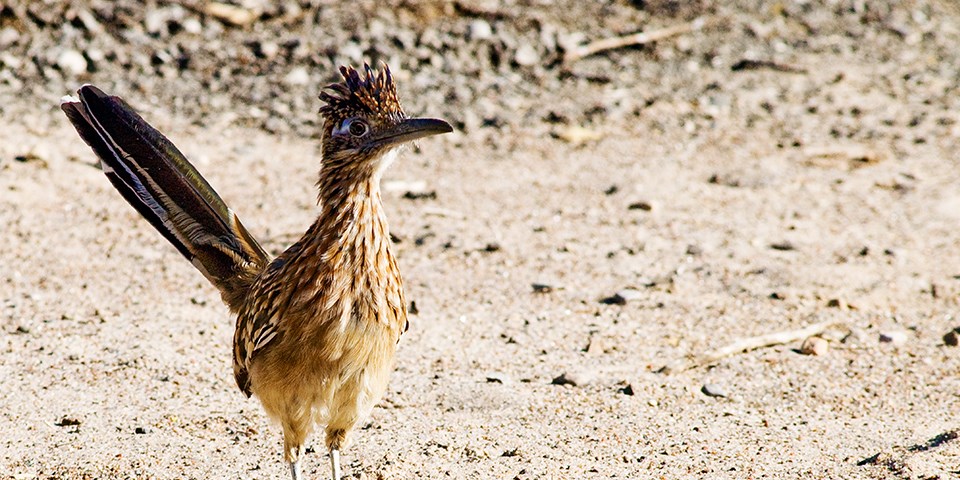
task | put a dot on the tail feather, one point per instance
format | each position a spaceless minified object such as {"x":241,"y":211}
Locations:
{"x":158,"y":181}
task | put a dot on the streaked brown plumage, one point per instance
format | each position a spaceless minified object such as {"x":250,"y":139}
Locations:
{"x":318,"y":326}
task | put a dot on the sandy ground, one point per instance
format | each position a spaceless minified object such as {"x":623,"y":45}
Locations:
{"x":757,"y":201}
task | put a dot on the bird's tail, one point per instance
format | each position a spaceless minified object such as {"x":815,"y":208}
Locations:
{"x":153,"y":176}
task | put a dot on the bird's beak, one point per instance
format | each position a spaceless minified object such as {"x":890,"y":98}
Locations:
{"x":411,"y":129}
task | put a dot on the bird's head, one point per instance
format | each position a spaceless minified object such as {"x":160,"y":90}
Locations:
{"x":364,"y":122}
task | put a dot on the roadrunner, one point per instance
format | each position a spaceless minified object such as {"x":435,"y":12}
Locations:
{"x":317,"y":327}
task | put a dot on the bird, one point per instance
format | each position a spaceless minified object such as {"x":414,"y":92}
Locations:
{"x":318,"y":325}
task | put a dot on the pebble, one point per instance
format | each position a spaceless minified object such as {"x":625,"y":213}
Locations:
{"x":141,"y":430}
{"x":626,"y":390}
{"x":895,"y":337}
{"x":8,"y":36}
{"x":299,"y":76}
{"x":191,"y":25}
{"x":576,"y":379}
{"x":526,"y":56}
{"x":269,"y":49}
{"x":713,"y":390}
{"x":72,"y":62}
{"x":155,"y":20}
{"x":784,"y":246}
{"x":837,"y":303}
{"x":420,"y":195}
{"x":570,"y":41}
{"x":231,"y":14}
{"x":67,"y":421}
{"x":596,"y":345}
{"x":498,"y":377}
{"x":623,"y":296}
{"x":815,"y":346}
{"x":641,"y":205}
{"x":952,"y":338}
{"x":10,"y":60}
{"x":577,"y":135}
{"x":541,"y":288}
{"x":479,"y":29}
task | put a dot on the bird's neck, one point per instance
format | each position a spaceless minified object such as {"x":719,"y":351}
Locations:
{"x":351,"y":230}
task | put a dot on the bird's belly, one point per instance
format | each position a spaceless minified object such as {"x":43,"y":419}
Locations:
{"x":341,"y":370}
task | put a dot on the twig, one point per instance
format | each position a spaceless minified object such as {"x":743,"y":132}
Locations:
{"x":748,"y":64}
{"x":639,"y":38}
{"x":747,"y":344}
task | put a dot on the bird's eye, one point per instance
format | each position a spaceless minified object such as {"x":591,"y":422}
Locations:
{"x":358,"y":128}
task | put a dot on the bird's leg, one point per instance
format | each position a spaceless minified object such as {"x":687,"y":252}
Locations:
{"x":295,"y":470}
{"x":335,"y":462}
{"x":336,"y":437}
{"x":293,"y":438}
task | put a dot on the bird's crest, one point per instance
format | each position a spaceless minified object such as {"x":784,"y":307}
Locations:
{"x":373,"y":94}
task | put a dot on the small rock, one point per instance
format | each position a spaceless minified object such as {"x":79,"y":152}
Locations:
{"x":577,"y":135}
{"x":626,"y":390}
{"x":269,"y":49}
{"x":570,"y":41}
{"x":8,"y":36}
{"x":479,"y":29}
{"x":645,"y":206}
{"x":815,"y":346}
{"x":576,"y":379}
{"x":526,"y":56}
{"x":836,"y":303}
{"x":896,"y":337}
{"x":95,"y":55}
{"x":9,"y":60}
{"x":154,"y":20}
{"x":72,"y":62}
{"x":498,"y":377}
{"x":784,"y":246}
{"x":192,"y":26}
{"x":511,"y":453}
{"x":622,"y":297}
{"x":299,"y":76}
{"x":420,"y":195}
{"x":630,"y":294}
{"x":952,"y":338}
{"x":141,"y":430}
{"x":596,"y":345}
{"x":541,"y":288}
{"x":713,"y":390}
{"x":231,"y":13}
{"x":67,"y":421}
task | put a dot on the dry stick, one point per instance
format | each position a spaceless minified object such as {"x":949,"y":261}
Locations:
{"x":747,"y":344}
{"x":633,"y":39}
